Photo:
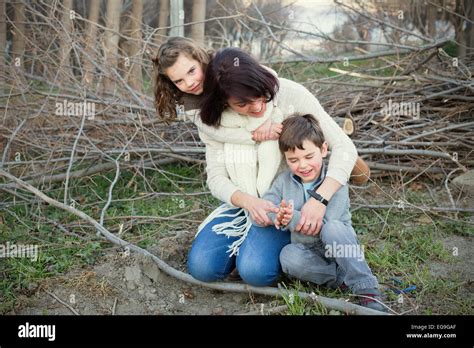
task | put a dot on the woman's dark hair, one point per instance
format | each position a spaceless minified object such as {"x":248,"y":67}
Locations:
{"x":234,"y":73}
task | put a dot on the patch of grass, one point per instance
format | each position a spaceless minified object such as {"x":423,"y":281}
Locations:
{"x":56,"y":253}
{"x":304,"y":71}
{"x":451,"y":48}
{"x":299,"y":306}
{"x":59,"y":252}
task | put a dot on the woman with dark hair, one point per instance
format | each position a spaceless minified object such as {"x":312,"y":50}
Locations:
{"x":240,"y":93}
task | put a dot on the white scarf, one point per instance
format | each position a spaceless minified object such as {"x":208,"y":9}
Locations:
{"x":251,"y":168}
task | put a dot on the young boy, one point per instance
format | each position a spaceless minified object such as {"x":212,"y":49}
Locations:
{"x":333,"y":257}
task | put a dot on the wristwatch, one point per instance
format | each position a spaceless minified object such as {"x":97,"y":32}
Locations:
{"x":318,"y":197}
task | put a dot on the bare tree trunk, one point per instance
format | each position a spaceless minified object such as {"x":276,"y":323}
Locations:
{"x":176,"y":18}
{"x":431,"y":20}
{"x":88,"y":77}
{"x":199,"y":14}
{"x":65,"y":41}
{"x":3,"y":42}
{"x":19,"y":31}
{"x":134,"y":53}
{"x":162,"y":21}
{"x":469,"y":30}
{"x":111,"y":39}
{"x":460,"y":34}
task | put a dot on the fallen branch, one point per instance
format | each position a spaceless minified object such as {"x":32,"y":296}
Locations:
{"x":422,"y":208}
{"x":345,"y":307}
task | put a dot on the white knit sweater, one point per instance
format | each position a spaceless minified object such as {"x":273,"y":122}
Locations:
{"x":291,"y":98}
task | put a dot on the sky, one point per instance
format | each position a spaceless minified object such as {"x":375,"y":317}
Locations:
{"x":317,"y":12}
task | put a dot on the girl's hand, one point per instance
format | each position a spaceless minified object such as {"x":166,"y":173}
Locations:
{"x":267,"y":131}
{"x":259,"y":208}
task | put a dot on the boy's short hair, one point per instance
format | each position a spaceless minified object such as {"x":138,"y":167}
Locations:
{"x":298,"y":128}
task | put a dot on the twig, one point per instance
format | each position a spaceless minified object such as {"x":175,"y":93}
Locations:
{"x":66,"y":184}
{"x":111,"y":187}
{"x":273,"y":310}
{"x":62,"y":302}
{"x":114,"y":306}
{"x":422,"y":208}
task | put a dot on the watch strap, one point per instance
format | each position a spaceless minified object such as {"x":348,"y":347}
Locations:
{"x":318,"y":197}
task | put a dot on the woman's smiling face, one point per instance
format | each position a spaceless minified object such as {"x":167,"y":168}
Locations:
{"x":187,"y":75}
{"x":254,"y":108}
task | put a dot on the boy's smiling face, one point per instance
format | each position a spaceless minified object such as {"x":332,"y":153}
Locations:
{"x":306,"y":163}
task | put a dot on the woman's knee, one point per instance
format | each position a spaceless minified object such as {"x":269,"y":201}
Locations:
{"x":258,"y":272}
{"x":205,"y":268}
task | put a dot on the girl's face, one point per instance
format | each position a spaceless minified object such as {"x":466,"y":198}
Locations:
{"x":254,"y":108}
{"x":187,"y":75}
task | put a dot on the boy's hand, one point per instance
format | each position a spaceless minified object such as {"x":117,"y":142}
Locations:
{"x":285,"y":214}
{"x":267,"y":131}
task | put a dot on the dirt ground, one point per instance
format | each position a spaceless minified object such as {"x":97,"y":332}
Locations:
{"x":124,"y":284}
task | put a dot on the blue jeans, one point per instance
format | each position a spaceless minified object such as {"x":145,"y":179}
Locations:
{"x":258,"y":260}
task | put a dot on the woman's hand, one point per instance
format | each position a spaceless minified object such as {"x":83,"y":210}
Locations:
{"x":313,"y":211}
{"x":285,"y":214}
{"x":311,"y":220}
{"x":259,"y":208}
{"x":267,"y":131}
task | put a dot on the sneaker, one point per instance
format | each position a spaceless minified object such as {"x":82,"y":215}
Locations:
{"x":370,"y":299}
{"x":234,"y":276}
{"x":343,"y":287}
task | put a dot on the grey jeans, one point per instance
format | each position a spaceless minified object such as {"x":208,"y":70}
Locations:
{"x":334,"y":256}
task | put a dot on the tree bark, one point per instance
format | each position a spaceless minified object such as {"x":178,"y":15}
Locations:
{"x":199,"y":14}
{"x":460,"y":32}
{"x":164,"y":15}
{"x":65,"y":41}
{"x":431,"y":19}
{"x":469,"y":30}
{"x":134,"y":55}
{"x":176,"y":18}
{"x":3,"y":42}
{"x":19,"y":31}
{"x":91,"y":32}
{"x":111,"y":39}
